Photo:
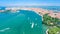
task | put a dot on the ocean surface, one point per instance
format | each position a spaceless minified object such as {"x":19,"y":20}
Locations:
{"x":21,"y":22}
{"x":54,"y":8}
{"x":24,"y":21}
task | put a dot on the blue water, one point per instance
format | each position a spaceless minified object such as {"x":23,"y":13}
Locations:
{"x":54,"y":8}
{"x":23,"y":22}
{"x":44,"y":27}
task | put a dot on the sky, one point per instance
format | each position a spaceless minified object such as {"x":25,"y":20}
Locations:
{"x":29,"y":2}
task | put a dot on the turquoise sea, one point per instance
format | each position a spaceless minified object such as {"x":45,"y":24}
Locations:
{"x":21,"y":22}
{"x":24,"y":21}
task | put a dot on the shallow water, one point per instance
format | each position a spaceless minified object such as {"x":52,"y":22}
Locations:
{"x":23,"y":22}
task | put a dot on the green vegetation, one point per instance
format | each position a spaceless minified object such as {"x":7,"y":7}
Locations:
{"x":54,"y":30}
{"x":48,"y":20}
{"x":51,"y":22}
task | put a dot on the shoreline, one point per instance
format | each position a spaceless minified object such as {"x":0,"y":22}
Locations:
{"x":39,"y":11}
{"x":47,"y":31}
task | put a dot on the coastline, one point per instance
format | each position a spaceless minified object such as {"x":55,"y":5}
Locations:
{"x":47,"y":31}
{"x":39,"y":11}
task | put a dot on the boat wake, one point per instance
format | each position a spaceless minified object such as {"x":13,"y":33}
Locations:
{"x":3,"y":30}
